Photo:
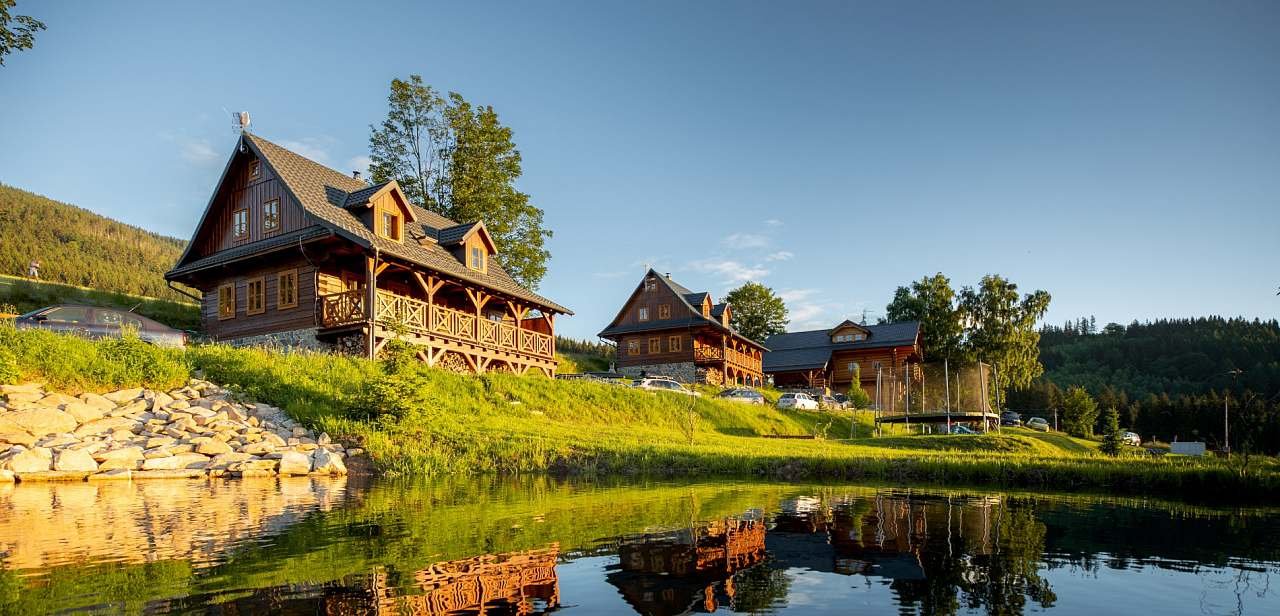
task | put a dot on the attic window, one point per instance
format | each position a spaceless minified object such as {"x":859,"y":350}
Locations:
{"x":478,"y":258}
{"x":255,"y":169}
{"x":389,"y":226}
{"x":664,"y":311}
{"x":650,"y":284}
{"x":271,"y":216}
{"x":240,"y":223}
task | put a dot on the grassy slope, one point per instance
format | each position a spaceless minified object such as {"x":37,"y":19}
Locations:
{"x":25,"y":295}
{"x":79,"y":247}
{"x":504,"y":423}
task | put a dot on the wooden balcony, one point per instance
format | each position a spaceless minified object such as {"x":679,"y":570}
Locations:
{"x":710,"y":353}
{"x":433,"y":321}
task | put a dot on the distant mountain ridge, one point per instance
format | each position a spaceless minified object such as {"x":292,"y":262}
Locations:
{"x":76,"y":246}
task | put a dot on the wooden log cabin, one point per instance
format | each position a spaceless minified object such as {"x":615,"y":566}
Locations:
{"x":291,"y":253}
{"x":665,"y":329}
{"x":826,"y":359}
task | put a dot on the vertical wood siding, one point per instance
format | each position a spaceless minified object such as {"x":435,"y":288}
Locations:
{"x":240,"y":191}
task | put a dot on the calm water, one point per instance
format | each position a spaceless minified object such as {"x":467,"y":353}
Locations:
{"x":520,"y":546}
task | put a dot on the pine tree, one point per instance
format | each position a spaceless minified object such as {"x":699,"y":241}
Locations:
{"x":1111,"y":437}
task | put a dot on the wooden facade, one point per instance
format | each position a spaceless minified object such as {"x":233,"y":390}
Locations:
{"x":662,"y":324}
{"x":827,"y":360}
{"x":292,"y":253}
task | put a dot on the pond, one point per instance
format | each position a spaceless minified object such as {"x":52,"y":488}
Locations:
{"x":541,"y":545}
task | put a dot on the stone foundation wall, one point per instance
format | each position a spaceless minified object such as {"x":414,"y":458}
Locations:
{"x":684,"y":372}
{"x":292,"y":340}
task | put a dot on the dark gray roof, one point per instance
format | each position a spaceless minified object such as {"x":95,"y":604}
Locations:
{"x":454,"y":234}
{"x":323,"y":194}
{"x":361,"y":197}
{"x":718,"y":309}
{"x":249,"y":250}
{"x":812,"y":349}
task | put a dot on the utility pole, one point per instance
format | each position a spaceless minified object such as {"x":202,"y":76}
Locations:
{"x":1226,"y":415}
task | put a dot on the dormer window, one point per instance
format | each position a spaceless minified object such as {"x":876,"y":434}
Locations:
{"x":389,"y":226}
{"x":478,"y":260}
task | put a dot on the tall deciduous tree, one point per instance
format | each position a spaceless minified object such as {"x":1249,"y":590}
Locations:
{"x":1002,"y":329}
{"x":757,"y":312}
{"x":17,"y":32}
{"x":932,"y":302}
{"x":460,"y":161}
{"x":1079,"y":411}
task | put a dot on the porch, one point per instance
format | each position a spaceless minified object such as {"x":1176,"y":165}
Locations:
{"x":740,"y":363}
{"x":481,"y":342}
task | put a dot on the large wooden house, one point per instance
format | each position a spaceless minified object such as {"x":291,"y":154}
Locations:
{"x":666,"y":329}
{"x":291,"y":253}
{"x":827,"y":359}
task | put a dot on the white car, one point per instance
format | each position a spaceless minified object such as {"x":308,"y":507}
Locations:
{"x":797,"y":401}
{"x":663,"y":385}
{"x":1131,"y":438}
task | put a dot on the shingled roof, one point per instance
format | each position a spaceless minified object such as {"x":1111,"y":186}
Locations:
{"x":692,"y":301}
{"x":325,"y":194}
{"x":812,"y":349}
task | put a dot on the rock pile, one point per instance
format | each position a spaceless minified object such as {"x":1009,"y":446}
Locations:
{"x":194,"y":431}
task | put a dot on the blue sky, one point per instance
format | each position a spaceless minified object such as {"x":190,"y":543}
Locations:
{"x":1123,"y":156}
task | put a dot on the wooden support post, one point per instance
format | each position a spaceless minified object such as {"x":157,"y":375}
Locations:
{"x":371,"y":282}
{"x":430,"y":285}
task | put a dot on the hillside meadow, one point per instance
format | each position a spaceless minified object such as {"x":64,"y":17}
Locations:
{"x":413,"y":420}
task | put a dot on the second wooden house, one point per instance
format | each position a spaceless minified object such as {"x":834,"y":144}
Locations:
{"x":294,"y":254}
{"x":665,"y":329}
{"x":828,"y":359}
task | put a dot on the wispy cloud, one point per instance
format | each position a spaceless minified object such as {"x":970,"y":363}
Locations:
{"x":198,"y":151}
{"x":359,"y":163}
{"x":743,"y":241}
{"x":729,"y":270}
{"x":773,"y":222}
{"x":315,"y":148}
{"x":781,"y":255}
{"x":807,"y":309}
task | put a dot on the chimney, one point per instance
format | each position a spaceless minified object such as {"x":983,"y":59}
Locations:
{"x":355,"y":174}
{"x":668,"y":275}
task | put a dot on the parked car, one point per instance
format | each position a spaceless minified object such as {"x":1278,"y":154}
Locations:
{"x":742,"y":394}
{"x":797,"y":401}
{"x":830,"y":403}
{"x":663,"y":384}
{"x":1010,"y":418}
{"x":98,"y":322}
{"x":1038,"y":423}
{"x":1131,"y":438}
{"x":959,"y":429}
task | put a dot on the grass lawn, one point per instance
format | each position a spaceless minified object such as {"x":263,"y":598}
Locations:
{"x":420,"y":421}
{"x":24,"y":295}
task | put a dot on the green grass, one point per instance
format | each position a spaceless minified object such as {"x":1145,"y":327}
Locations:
{"x":577,"y":363}
{"x":501,"y":423}
{"x":25,"y":295}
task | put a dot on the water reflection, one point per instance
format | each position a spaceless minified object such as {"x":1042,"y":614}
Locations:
{"x":536,"y":546}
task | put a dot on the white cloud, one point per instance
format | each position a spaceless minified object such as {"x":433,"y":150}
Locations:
{"x":773,"y":222}
{"x":730,"y":271}
{"x":781,"y":255}
{"x":359,"y":163}
{"x":807,"y":309}
{"x":315,"y":148}
{"x":742,"y":241}
{"x":198,"y":151}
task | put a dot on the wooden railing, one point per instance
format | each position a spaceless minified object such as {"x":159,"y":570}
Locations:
{"x":711,"y":352}
{"x":421,"y":317}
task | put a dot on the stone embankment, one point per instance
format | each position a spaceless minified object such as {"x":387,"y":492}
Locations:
{"x":196,"y":431}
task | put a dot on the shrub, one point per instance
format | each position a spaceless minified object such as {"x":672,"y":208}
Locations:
{"x":75,"y":364}
{"x":8,"y":367}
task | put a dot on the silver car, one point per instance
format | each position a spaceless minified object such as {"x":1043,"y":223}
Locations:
{"x":99,"y":322}
{"x":742,"y":394}
{"x":663,"y":385}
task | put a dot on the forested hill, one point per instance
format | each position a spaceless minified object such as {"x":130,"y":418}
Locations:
{"x":1180,"y":356}
{"x":79,"y":247}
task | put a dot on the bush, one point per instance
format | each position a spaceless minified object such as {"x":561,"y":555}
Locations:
{"x":71,"y":363}
{"x":8,"y":367}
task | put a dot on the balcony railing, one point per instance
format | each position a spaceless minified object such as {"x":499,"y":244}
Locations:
{"x":420,"y":317}
{"x":713,"y":353}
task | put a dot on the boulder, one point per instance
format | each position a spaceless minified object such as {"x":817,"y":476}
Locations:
{"x":21,"y":399}
{"x":213,"y":448}
{"x":34,"y":460}
{"x":112,"y":474}
{"x":123,"y":453}
{"x":7,"y":476}
{"x":56,"y":399}
{"x":41,"y":421}
{"x":84,"y":412}
{"x":17,"y":438}
{"x":171,"y":473}
{"x":97,"y":401}
{"x":273,"y":439}
{"x":74,"y":460}
{"x":226,"y":460}
{"x":327,"y":463}
{"x":124,"y":395}
{"x":177,"y":405}
{"x":22,"y":388}
{"x":160,"y":441}
{"x":107,"y":426}
{"x":175,"y":462}
{"x":158,"y":400}
{"x":294,"y":463}
{"x":258,"y":449}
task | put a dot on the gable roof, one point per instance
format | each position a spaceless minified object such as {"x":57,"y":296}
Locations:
{"x":812,"y":349}
{"x":324,"y":195}
{"x":690,"y":299}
